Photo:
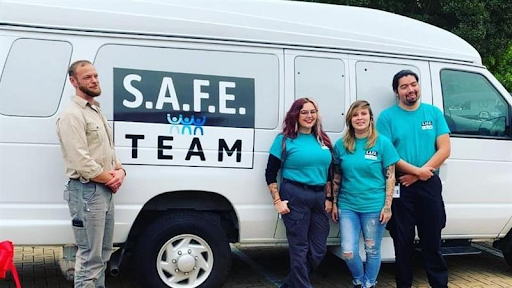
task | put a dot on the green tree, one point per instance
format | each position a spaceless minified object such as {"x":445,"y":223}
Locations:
{"x":485,"y":24}
{"x":503,"y":68}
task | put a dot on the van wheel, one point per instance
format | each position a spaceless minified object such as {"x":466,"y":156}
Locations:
{"x":183,"y":250}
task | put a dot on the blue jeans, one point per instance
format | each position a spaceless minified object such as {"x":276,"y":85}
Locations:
{"x":91,"y":207}
{"x":351,"y":225}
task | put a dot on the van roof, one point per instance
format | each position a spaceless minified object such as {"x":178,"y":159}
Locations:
{"x":288,"y":23}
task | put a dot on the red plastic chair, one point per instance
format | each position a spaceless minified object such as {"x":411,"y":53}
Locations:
{"x":6,"y":261}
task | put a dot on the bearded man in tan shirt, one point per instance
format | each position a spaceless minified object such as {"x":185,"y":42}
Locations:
{"x":95,"y":175}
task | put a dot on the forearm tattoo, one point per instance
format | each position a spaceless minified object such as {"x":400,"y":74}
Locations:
{"x":328,"y":189}
{"x":273,"y":191}
{"x":336,"y":182}
{"x":390,"y":185}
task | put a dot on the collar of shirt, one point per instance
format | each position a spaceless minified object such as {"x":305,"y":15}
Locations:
{"x":83,"y":103}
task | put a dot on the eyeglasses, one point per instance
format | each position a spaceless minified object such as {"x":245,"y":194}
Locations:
{"x":306,"y":112}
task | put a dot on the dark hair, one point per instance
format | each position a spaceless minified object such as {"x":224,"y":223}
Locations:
{"x":291,"y":129}
{"x":74,"y":65}
{"x":401,"y":74}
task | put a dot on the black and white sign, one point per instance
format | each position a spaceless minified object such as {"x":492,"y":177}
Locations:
{"x":170,"y":118}
{"x":180,"y":98}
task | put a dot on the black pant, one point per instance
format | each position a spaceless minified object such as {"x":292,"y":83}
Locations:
{"x":421,"y":205}
{"x":307,"y":228}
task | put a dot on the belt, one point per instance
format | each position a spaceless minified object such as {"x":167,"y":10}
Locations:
{"x":316,"y":188}
{"x":78,"y":179}
{"x":399,"y":174}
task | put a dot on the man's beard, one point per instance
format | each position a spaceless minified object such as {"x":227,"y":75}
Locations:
{"x":90,"y":92}
{"x":410,"y":102}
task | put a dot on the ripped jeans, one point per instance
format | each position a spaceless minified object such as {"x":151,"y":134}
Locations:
{"x":351,"y":225}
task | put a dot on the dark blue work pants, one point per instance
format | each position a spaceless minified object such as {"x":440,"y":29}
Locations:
{"x":421,"y":205}
{"x":307,"y":228}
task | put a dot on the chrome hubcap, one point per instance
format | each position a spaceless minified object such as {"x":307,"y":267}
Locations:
{"x":184,"y":261}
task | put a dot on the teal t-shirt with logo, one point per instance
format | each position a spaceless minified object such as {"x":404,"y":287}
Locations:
{"x":363,"y":182}
{"x":306,"y":161}
{"x":413,"y":133}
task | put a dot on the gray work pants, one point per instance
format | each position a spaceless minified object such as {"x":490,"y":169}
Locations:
{"x":91,"y":207}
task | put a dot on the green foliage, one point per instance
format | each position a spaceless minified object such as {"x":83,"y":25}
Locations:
{"x":503,"y":68}
{"x":485,"y":24}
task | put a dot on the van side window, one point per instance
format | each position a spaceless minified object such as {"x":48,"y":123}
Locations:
{"x":323,"y":79}
{"x":33,"y":78}
{"x":373,"y":83}
{"x":472,"y":106}
{"x":148,"y":82}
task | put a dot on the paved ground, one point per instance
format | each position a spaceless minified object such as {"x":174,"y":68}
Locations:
{"x":263,"y":267}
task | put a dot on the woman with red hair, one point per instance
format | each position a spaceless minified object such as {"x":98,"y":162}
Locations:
{"x":303,"y":153}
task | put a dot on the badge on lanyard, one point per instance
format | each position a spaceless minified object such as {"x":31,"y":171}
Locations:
{"x":396,"y":191}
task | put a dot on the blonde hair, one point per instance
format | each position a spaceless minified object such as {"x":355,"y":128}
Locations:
{"x":349,"y":139}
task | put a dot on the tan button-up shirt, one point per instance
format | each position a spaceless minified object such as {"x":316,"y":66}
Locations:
{"x":86,"y":140}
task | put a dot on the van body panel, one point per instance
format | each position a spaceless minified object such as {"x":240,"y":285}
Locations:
{"x":373,"y":83}
{"x":276,"y":22}
{"x":479,"y":194}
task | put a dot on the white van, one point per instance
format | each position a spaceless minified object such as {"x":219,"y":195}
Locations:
{"x":196,"y":92}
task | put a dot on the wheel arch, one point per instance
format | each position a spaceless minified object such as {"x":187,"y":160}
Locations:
{"x":212,"y":203}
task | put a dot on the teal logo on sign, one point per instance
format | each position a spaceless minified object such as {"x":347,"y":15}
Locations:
{"x":186,"y":124}
{"x":187,"y":102}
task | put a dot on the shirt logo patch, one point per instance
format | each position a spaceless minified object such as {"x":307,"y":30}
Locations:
{"x":427,"y":125}
{"x":371,"y":155}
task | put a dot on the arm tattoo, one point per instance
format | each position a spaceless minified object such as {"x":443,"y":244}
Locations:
{"x":273,"y":191}
{"x":390,"y":185}
{"x":336,"y":182}
{"x":328,"y":191}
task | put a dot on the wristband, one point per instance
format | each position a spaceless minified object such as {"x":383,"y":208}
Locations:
{"x":330,"y":198}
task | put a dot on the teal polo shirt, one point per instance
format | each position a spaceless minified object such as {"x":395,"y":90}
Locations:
{"x":306,"y":161}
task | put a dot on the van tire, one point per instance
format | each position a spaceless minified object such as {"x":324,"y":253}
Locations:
{"x":199,"y":250}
